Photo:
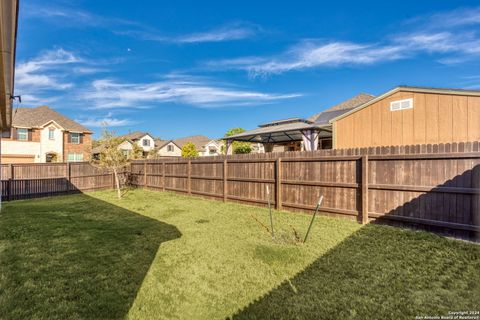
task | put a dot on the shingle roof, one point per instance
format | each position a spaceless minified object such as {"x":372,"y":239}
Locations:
{"x":135,"y":135}
{"x":37,"y":117}
{"x":199,"y":141}
{"x":345,"y":105}
{"x":159,"y":143}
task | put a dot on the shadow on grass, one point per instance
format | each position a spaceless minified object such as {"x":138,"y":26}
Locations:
{"x":379,"y":272}
{"x":74,"y":257}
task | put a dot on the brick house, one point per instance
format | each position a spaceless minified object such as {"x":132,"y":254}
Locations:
{"x":42,"y":134}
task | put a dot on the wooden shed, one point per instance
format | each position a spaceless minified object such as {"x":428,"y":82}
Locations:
{"x":410,"y":115}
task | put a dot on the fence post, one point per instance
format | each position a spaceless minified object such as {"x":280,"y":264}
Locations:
{"x":69,"y":176}
{"x":364,"y":189}
{"x":475,"y":208}
{"x":225,"y":187}
{"x":145,"y":174}
{"x":189,"y":176}
{"x":278,"y":184}
{"x":10,"y":181}
{"x":163,"y":174}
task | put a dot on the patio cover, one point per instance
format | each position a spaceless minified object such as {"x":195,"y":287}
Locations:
{"x":283,"y":131}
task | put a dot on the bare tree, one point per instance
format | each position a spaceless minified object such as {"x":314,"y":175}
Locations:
{"x":111,"y":156}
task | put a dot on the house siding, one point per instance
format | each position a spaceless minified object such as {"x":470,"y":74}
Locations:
{"x":83,"y":147}
{"x":435,"y":118}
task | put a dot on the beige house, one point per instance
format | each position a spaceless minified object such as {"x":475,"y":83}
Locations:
{"x":204,"y":145}
{"x":43,"y":135}
{"x":142,"y":139}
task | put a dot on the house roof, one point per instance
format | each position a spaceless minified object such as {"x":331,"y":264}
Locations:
{"x":40,"y":116}
{"x":136,"y":135}
{"x":408,"y":89}
{"x":342,"y":107}
{"x":159,"y":143}
{"x":199,"y":141}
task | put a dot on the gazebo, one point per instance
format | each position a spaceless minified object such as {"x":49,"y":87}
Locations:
{"x":283,"y":132}
{"x":313,"y":133}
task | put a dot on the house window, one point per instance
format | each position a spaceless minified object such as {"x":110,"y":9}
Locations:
{"x":74,"y":137}
{"x":22,"y":134}
{"x":125,"y":153}
{"x":170,"y":148}
{"x":51,"y":134}
{"x":146,"y":142}
{"x":212,"y":150}
{"x":401,"y":104}
{"x":74,"y":157}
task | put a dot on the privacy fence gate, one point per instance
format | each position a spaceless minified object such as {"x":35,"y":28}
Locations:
{"x":433,"y":186}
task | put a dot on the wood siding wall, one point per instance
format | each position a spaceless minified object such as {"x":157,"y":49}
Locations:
{"x":433,"y":186}
{"x":435,"y":118}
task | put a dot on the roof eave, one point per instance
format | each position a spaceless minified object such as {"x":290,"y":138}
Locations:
{"x":408,"y":89}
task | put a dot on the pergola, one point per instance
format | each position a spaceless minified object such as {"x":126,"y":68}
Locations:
{"x":285,"y":131}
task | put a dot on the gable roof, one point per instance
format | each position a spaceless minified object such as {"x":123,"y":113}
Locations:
{"x":136,"y":135}
{"x":40,"y":116}
{"x":199,"y":141}
{"x":159,"y":143}
{"x":408,"y":89}
{"x":343,"y":107}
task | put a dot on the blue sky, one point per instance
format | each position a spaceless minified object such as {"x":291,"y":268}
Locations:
{"x":179,"y":68}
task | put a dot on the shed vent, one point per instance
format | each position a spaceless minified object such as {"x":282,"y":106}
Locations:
{"x":401,"y":104}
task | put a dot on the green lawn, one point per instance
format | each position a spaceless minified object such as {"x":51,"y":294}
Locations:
{"x":155,"y":255}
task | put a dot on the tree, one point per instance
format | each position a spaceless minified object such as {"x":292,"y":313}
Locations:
{"x":137,"y":152}
{"x":238,"y":146}
{"x":189,"y":150}
{"x":111,"y":157}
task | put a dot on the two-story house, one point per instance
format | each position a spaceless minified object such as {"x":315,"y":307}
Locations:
{"x":44,"y":135}
{"x":142,"y":139}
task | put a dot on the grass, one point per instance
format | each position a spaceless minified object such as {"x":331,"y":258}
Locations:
{"x":156,"y":255}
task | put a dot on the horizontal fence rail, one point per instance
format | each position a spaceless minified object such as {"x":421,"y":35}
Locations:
{"x":426,"y":185}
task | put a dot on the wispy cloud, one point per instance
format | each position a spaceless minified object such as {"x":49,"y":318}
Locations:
{"x":43,"y":74}
{"x":105,"y":121}
{"x":75,"y":17}
{"x":231,"y":32}
{"x":228,"y":32}
{"x":448,"y":43}
{"x":107,"y":93}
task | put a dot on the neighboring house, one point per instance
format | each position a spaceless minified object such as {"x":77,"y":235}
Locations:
{"x":402,"y":116}
{"x":43,"y":135}
{"x":143,"y":139}
{"x":204,"y":145}
{"x":168,"y":148}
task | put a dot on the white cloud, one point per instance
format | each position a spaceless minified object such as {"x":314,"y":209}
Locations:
{"x":226,"y":33}
{"x":107,"y":121}
{"x":229,"y":32}
{"x":448,"y":46}
{"x":108,"y":93}
{"x":40,"y":72}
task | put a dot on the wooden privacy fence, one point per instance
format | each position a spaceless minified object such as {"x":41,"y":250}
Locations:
{"x":427,"y":185}
{"x":25,"y":181}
